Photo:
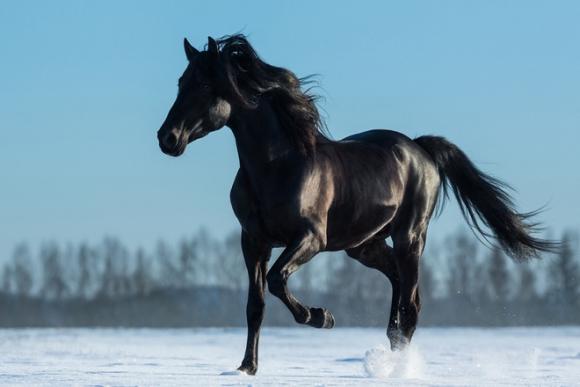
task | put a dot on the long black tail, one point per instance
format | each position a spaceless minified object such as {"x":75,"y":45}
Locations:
{"x":485,"y":199}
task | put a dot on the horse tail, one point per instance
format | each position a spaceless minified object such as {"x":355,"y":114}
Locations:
{"x":484,"y":199}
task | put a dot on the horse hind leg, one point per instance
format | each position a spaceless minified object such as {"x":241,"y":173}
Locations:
{"x":408,"y":248}
{"x":376,"y":254}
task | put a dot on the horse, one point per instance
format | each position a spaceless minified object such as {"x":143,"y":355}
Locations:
{"x":299,"y":189}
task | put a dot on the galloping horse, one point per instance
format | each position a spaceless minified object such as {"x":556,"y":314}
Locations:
{"x":300,"y":190}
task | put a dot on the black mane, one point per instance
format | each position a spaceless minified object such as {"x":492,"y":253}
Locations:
{"x":249,"y":78}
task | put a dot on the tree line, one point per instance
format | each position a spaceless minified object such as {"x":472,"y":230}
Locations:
{"x":201,"y":281}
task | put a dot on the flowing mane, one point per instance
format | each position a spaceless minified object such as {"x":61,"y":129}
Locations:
{"x":249,"y":79}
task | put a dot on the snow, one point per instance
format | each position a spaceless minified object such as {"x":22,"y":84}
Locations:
{"x":289,"y":357}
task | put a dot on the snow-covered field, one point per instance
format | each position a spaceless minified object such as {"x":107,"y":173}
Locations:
{"x":289,"y":357}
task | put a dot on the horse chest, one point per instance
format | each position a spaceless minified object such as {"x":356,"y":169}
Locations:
{"x":271,"y":209}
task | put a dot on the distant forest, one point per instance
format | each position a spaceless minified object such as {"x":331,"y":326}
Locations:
{"x":202,"y":281}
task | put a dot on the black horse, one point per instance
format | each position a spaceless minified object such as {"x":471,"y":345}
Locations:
{"x":300,"y":190}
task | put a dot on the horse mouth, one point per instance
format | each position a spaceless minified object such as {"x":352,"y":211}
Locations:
{"x":186,"y":136}
{"x":176,"y":150}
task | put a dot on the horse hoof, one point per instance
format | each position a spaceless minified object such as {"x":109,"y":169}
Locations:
{"x":321,"y":318}
{"x":248,"y":369}
{"x":398,"y":341}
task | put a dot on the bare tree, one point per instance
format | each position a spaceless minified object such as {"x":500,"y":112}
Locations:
{"x":115,"y":279}
{"x":86,"y":271}
{"x":53,"y":284}
{"x":464,"y":252}
{"x":527,"y":290}
{"x":187,"y":257}
{"x":21,"y":270}
{"x":305,"y":277}
{"x":499,"y":276}
{"x":142,"y":278}
{"x":565,"y":272}
{"x":207,"y":269}
{"x":168,"y":269}
{"x":427,"y":283}
{"x":347,"y":280}
{"x":7,"y":279}
{"x":230,"y":262}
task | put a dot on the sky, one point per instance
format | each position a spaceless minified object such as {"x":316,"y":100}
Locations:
{"x":84,"y":87}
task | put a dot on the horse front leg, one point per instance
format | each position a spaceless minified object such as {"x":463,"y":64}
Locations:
{"x":296,"y":254}
{"x":256,"y":255}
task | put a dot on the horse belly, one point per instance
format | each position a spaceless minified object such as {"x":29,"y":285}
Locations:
{"x":348,"y":229}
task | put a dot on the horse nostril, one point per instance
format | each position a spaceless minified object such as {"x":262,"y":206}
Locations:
{"x":170,"y":140}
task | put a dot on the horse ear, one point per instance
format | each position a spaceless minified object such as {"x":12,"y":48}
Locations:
{"x":190,"y":51}
{"x":212,"y":47}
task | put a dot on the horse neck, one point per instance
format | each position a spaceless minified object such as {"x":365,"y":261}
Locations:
{"x":260,"y":138}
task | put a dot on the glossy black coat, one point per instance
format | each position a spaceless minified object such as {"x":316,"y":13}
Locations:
{"x":299,"y":190}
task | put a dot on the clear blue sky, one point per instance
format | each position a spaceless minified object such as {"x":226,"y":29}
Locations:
{"x":85,"y":85}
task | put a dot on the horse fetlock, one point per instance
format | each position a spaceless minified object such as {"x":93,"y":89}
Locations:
{"x":408,"y":316}
{"x":303,"y":317}
{"x":321,"y":318}
{"x":398,"y":339}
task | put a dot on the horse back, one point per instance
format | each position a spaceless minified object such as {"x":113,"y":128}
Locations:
{"x":376,"y":176}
